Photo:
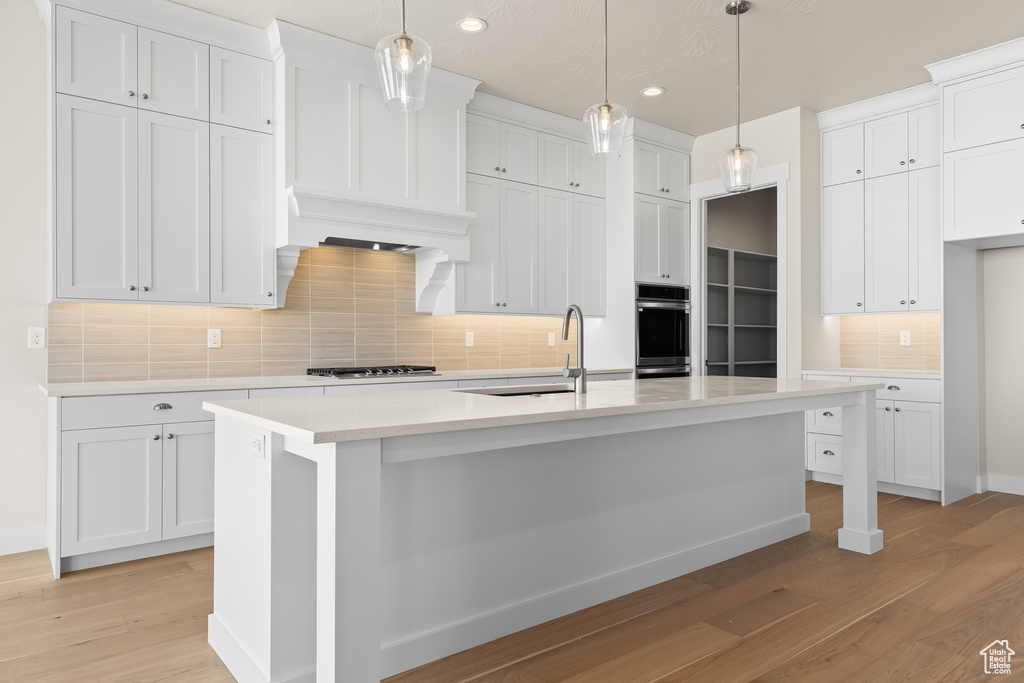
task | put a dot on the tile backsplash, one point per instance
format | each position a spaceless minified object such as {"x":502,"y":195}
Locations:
{"x":344,"y":307}
{"x":873,"y":342}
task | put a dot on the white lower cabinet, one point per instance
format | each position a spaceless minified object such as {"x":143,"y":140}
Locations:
{"x":917,"y":444}
{"x":187,"y":479}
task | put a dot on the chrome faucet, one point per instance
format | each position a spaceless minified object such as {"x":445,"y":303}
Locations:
{"x":579,"y":372}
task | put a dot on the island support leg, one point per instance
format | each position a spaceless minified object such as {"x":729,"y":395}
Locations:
{"x":348,"y":563}
{"x":860,"y":531}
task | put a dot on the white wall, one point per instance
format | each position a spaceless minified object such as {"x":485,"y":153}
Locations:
{"x":22,"y":273}
{"x":789,"y":136}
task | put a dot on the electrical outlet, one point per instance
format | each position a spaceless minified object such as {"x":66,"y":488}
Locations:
{"x":257,"y":445}
{"x":36,"y":338}
{"x":469,"y":339}
{"x":905,"y":338}
{"x":551,"y":338}
{"x":213,"y":339}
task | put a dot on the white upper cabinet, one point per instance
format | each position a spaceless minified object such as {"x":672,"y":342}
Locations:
{"x":96,"y":215}
{"x":482,"y":146}
{"x":842,"y":248}
{"x":501,"y":150}
{"x":589,"y":255}
{"x":924,"y":137}
{"x":174,"y":75}
{"x":564,"y":164}
{"x":517,"y":225}
{"x":242,"y":267}
{"x":885,"y":146}
{"x":842,"y":155}
{"x":555,"y":253}
{"x":886,"y":244}
{"x":478,"y":280}
{"x":174,"y":209}
{"x":983,"y":110}
{"x":661,"y":172}
{"x":96,"y":57}
{"x":241,"y":91}
{"x":925,"y":235}
{"x":983,"y":191}
{"x":661,"y":241}
{"x":589,"y":173}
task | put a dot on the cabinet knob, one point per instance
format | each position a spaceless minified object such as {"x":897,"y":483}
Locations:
{"x":892,"y":387}
{"x":131,"y":93}
{"x":903,"y":163}
{"x":897,"y":410}
{"x":1022,"y":125}
{"x":268,"y":122}
{"x":577,"y":184}
{"x":859,"y":303}
{"x":270,"y":294}
{"x":912,"y":302}
{"x":666,"y":190}
{"x":131,"y":288}
{"x":858,"y":171}
{"x":497,"y":168}
{"x":828,"y":413}
{"x":145,"y":96}
{"x":828,"y":453}
{"x":570,"y":184}
{"x":913,"y":160}
{"x":661,"y":189}
{"x":156,"y":437}
{"x":170,"y":436}
{"x":145,"y":289}
{"x":504,"y":304}
{"x":887,"y":409}
{"x":903,"y":302}
{"x":162,"y":406}
{"x":503,"y":170}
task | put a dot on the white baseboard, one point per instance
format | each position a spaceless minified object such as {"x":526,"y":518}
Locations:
{"x":135,"y":552}
{"x":238,"y":661}
{"x":22,"y":540}
{"x":427,"y":647}
{"x":1003,"y":483}
{"x":883,"y":487}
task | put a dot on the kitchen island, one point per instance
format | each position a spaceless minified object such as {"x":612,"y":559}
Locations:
{"x":359,"y":536}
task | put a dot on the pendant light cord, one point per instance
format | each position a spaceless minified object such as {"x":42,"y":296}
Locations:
{"x":403,"y":17}
{"x":605,"y":51}
{"x":737,"y":3}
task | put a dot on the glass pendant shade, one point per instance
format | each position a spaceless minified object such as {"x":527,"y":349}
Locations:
{"x":738,"y":166}
{"x":403,"y":62}
{"x":606,"y":128}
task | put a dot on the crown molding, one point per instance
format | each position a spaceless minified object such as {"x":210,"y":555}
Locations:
{"x":995,"y":57}
{"x":884,"y":105}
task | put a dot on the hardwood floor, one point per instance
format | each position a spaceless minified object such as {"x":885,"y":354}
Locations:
{"x":949,"y":582}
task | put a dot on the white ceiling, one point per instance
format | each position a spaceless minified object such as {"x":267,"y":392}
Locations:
{"x":547,"y":53}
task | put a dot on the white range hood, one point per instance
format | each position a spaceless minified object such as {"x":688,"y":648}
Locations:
{"x":349,"y":167}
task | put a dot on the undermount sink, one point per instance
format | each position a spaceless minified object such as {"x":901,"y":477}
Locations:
{"x":520,"y":390}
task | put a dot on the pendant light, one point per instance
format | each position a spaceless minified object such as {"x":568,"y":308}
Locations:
{"x":403,"y":62}
{"x":738,"y":163}
{"x":605,"y":123}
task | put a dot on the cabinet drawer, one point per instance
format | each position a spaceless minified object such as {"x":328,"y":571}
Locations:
{"x":286,"y":392}
{"x":825,"y":421}
{"x":825,"y":453}
{"x":90,"y":412}
{"x":390,"y":386}
{"x":927,"y":390}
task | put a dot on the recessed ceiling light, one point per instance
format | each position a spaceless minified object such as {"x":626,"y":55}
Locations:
{"x":472,"y":24}
{"x":653,"y":91}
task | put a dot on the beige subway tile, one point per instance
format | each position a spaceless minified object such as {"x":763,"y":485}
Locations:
{"x":933,"y":364}
{"x":375,"y":321}
{"x":540,"y":337}
{"x":450,"y":337}
{"x":405,"y":296}
{"x":376,"y":260}
{"x":220,"y":369}
{"x":858,"y":322}
{"x":303,"y":271}
{"x":483,"y":363}
{"x":115,"y":334}
{"x":64,"y":355}
{"x":322,"y":336}
{"x":337,"y":290}
{"x":405,"y":351}
{"x":233,"y":317}
{"x":897,"y":351}
{"x":278,"y":368}
{"x":115,"y":372}
{"x":192,"y":370}
{"x":514,"y":348}
{"x":115,"y":353}
{"x":330,"y":256}
{"x":932,"y":337}
{"x":405,"y":306}
{"x":405,"y":263}
{"x":369,"y":291}
{"x":62,"y":313}
{"x":236,"y":352}
{"x":298,"y":288}
{"x":932,"y":321}
{"x":333,"y":362}
{"x":514,"y":324}
{"x":546,"y":324}
{"x":383,"y":359}
{"x":377,"y":306}
{"x":64,"y":334}
{"x":64,"y":373}
{"x":489,"y":350}
{"x":859,"y":336}
{"x":451,"y":364}
{"x":484,"y":337}
{"x":864,"y":350}
{"x":859,"y":363}
{"x":298,"y":304}
{"x":513,"y":362}
{"x":544,"y":361}
{"x":178,"y":353}
{"x":405,"y":278}
{"x":900,"y":322}
{"x":420,"y":336}
{"x":483,"y":323}
{"x":332,"y":320}
{"x":293,"y":352}
{"x":369,"y":337}
{"x":324,"y":304}
{"x":330,"y":274}
{"x":325,"y":351}
{"x":450,"y":351}
{"x":304,"y":255}
{"x":115,"y":314}
{"x":277,"y":318}
{"x":932,"y":351}
{"x":418,"y":321}
{"x":231,"y":336}
{"x":366,"y":276}
{"x":178,"y":335}
{"x":898,"y":363}
{"x":193,"y":316}
{"x":286,"y":335}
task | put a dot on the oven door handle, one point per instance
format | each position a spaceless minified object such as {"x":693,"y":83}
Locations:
{"x":669,"y":305}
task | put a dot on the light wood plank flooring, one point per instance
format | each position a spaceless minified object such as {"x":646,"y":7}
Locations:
{"x":949,"y":581}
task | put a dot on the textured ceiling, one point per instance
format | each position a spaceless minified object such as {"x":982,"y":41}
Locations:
{"x":547,"y":53}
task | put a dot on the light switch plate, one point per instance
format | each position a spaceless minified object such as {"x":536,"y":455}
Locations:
{"x":551,"y":338}
{"x":905,"y":338}
{"x":469,"y":339}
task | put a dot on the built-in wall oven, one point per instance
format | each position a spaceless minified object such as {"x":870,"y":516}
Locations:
{"x":662,"y":331}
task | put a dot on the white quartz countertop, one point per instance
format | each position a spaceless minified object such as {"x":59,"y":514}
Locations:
{"x":171,"y":385}
{"x":328,"y":419}
{"x":896,"y":374}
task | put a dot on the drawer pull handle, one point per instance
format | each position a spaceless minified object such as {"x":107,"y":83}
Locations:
{"x":828,"y":413}
{"x":156,"y":437}
{"x":170,"y":436}
{"x":892,"y":387}
{"x":828,"y":453}
{"x":162,"y":406}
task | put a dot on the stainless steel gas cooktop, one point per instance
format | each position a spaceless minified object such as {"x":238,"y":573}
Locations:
{"x":375,"y":371}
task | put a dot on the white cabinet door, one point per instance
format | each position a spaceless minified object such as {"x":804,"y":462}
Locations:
{"x":674,"y":242}
{"x":174,"y":208}
{"x":589,"y":173}
{"x":842,"y":249}
{"x":517,"y":153}
{"x":983,"y":110}
{"x":924,"y":137}
{"x":242,"y":267}
{"x":885,"y":146}
{"x":925,"y":237}
{"x":983,"y":191}
{"x":110,"y":488}
{"x":174,"y":75}
{"x":842,"y":155}
{"x":885,"y":442}
{"x":97,"y":200}
{"x":646,"y":233}
{"x":241,"y":90}
{"x":96,"y":57}
{"x":555,"y":214}
{"x":482,"y":146}
{"x":917,"y":444}
{"x":675,"y":172}
{"x":187,"y":479}
{"x":886,"y":244}
{"x":589,"y":259}
{"x":517,"y":224}
{"x":646,"y":169}
{"x":478,"y":280}
{"x":555,"y":162}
